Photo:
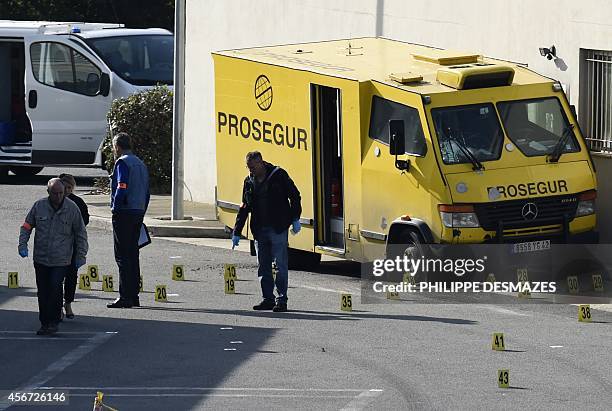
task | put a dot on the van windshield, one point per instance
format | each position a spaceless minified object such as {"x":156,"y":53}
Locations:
{"x":537,"y":126}
{"x":145,"y":60}
{"x":474,"y":128}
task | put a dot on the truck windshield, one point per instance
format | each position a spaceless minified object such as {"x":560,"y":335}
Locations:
{"x":140,"y":60}
{"x":474,"y":128}
{"x":537,"y":126}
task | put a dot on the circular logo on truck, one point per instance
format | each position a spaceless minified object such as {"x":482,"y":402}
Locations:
{"x":529,"y":211}
{"x":263,"y":92}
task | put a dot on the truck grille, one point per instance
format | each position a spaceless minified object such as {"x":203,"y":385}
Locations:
{"x":550,"y":210}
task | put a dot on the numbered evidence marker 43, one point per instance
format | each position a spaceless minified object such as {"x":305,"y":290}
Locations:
{"x":584,"y":313}
{"x":178,"y":273}
{"x":108,"y":284}
{"x":94,"y":274}
{"x":497,"y":342}
{"x":503,"y":378}
{"x":84,"y":282}
{"x":346,"y":302}
{"x":13,"y":279}
{"x":598,"y":283}
{"x":161,"y":295}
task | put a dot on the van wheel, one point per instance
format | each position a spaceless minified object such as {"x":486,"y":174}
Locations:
{"x":303,"y":260}
{"x":408,"y":243}
{"x":26,"y":171}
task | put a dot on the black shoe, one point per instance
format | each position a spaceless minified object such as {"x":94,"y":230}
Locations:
{"x":120,"y":303}
{"x":52,"y":329}
{"x":264,"y":305}
{"x":43,"y":330}
{"x":136,"y":302}
{"x":280,"y":308}
{"x":69,"y":313}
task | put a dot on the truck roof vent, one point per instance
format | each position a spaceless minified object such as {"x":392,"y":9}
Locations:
{"x":406,"y":78}
{"x":446,"y":57}
{"x":472,"y":76}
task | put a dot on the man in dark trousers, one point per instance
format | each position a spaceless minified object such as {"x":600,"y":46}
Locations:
{"x":59,"y":229}
{"x":129,"y":201}
{"x":274,"y":202}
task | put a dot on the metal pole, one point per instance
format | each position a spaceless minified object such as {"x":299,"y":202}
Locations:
{"x":178,"y":212}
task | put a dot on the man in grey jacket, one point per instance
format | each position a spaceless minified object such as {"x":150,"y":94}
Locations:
{"x":59,"y":226}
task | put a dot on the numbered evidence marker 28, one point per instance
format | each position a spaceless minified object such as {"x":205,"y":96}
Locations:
{"x":522,"y":278}
{"x":584,"y":313}
{"x":84,"y":282}
{"x":498,"y":343}
{"x":108,"y":284}
{"x":93,"y":272}
{"x":503,"y":378}
{"x":178,"y":273}
{"x":13,"y":279}
{"x":598,"y":283}
{"x":572,"y":284}
{"x":161,"y":294}
{"x":346,"y":302}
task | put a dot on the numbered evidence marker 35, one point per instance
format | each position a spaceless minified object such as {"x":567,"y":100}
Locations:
{"x":178,"y":273}
{"x":503,"y":378}
{"x":161,"y":295}
{"x":346,"y":302}
{"x":497,"y":342}
{"x":572,"y":284}
{"x":85,"y":282}
{"x":93,"y":272}
{"x":598,"y":283}
{"x":229,"y":271}
{"x":13,"y":279}
{"x":108,"y":284}
{"x":584,"y":313}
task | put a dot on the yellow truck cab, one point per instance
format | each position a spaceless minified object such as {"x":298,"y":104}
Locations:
{"x":397,"y":143}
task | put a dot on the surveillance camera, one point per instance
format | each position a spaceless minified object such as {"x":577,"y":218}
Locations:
{"x":549,"y":56}
{"x":544,"y":51}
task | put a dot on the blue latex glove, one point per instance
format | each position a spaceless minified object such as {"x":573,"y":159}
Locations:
{"x":296,"y":226}
{"x":235,"y":241}
{"x":23,"y":253}
{"x":79,"y":263}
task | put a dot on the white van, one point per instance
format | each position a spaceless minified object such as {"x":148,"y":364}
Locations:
{"x":58,"y":80}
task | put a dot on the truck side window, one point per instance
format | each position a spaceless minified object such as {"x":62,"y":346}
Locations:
{"x":384,"y":110}
{"x":57,"y":65}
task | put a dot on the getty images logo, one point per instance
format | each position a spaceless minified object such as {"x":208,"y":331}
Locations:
{"x":263,"y":92}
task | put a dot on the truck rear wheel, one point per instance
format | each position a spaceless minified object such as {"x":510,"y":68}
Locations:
{"x":26,"y":171}
{"x":303,"y":260}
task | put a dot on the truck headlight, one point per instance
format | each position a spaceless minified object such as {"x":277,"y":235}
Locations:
{"x":586,"y":203}
{"x":458,"y":216}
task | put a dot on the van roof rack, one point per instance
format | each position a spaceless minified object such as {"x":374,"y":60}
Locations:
{"x":76,"y":27}
{"x":446,"y":57}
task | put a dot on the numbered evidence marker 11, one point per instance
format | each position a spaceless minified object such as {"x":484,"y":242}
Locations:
{"x":108,"y":284}
{"x":178,"y":273}
{"x":572,"y":284}
{"x":346,"y":302}
{"x":503,"y":378}
{"x":229,"y":271}
{"x":93,"y":272}
{"x":85,"y":282}
{"x":584,"y":313}
{"x":161,"y":294}
{"x":13,"y":279}
{"x":598,"y":283}
{"x":498,"y":344}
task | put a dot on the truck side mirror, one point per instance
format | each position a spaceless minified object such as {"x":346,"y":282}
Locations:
{"x":397,"y":143}
{"x":104,"y":84}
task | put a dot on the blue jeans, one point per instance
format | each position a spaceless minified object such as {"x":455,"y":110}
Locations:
{"x":49,"y":283}
{"x":272,"y":246}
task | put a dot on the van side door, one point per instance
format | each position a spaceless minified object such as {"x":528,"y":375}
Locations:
{"x":66,"y":105}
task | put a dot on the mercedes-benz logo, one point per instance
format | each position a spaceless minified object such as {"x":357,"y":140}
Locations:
{"x":263,"y":92}
{"x":529,"y":211}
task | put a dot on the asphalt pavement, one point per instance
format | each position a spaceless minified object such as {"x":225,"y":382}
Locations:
{"x":204,"y":349}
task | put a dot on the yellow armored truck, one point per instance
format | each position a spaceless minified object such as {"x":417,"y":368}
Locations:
{"x":398,"y":143}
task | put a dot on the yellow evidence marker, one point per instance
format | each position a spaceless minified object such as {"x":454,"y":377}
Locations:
{"x":93,"y":272}
{"x":178,"y":273}
{"x":490,"y":278}
{"x":392,"y":295}
{"x":584,"y":313}
{"x":13,"y":279}
{"x":229,"y":271}
{"x":498,"y":344}
{"x":409,"y":278}
{"x":346,"y":302}
{"x":230,"y":285}
{"x":598,"y":283}
{"x":160,"y":293}
{"x":523,"y":278}
{"x":503,"y":378}
{"x":572,"y":284}
{"x":108,"y":284}
{"x":85,"y":282}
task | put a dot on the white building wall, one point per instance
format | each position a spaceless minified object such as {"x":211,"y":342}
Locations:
{"x":511,"y":30}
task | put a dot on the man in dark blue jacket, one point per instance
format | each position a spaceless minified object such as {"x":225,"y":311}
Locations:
{"x":129,"y":201}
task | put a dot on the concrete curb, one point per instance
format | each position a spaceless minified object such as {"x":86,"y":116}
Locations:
{"x":160,"y":230}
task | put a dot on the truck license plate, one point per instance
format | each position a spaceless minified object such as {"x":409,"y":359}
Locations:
{"x":531,"y":246}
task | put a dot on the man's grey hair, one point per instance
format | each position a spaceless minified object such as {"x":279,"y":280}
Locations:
{"x":253,"y":155}
{"x":53,"y":182}
{"x":123,"y":141}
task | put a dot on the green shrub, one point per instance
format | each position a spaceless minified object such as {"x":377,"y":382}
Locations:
{"x":147,"y":118}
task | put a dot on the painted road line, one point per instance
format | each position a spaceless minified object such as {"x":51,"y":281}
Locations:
{"x":362,"y":400}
